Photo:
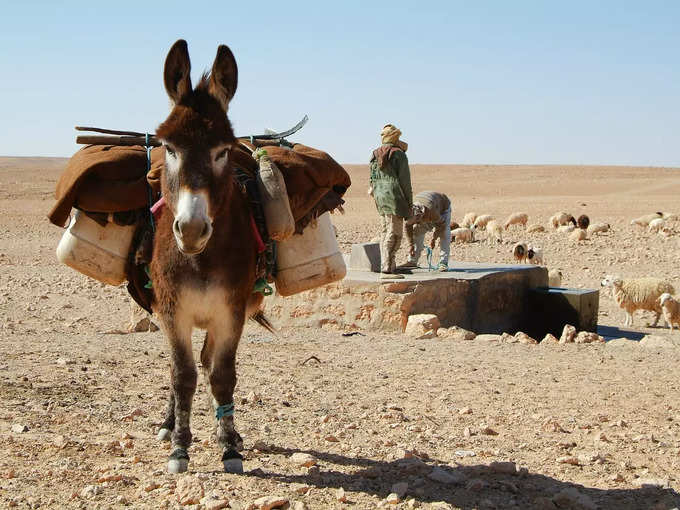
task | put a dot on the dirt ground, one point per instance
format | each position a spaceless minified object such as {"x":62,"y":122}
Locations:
{"x":586,"y":426}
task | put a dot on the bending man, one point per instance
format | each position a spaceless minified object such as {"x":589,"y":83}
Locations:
{"x":431,"y":211}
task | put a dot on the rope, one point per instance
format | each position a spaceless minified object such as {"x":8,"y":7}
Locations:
{"x":430,"y":267}
{"x":224,"y":410}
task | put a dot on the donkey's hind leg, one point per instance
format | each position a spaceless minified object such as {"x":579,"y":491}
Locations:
{"x":168,"y":425}
{"x":222,"y":379}
{"x":183,"y":377}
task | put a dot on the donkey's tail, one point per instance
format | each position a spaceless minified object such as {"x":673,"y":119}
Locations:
{"x":263,"y":321}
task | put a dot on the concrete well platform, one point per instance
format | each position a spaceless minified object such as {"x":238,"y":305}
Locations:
{"x":485,"y":298}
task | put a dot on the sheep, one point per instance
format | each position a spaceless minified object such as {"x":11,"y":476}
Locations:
{"x":638,"y":294}
{"x":554,"y":278}
{"x":561,"y":218}
{"x":494,"y":231}
{"x":583,"y":221}
{"x":468,"y":220}
{"x":671,"y":309}
{"x":670,"y":216}
{"x":656,"y":224}
{"x":666,"y":232}
{"x":535,"y":228}
{"x":463,"y":234}
{"x":643,"y":221}
{"x":518,"y":218}
{"x":482,"y":220}
{"x":519,"y":251}
{"x":578,"y":235}
{"x":535,"y":255}
{"x":565,"y":229}
{"x":454,"y":225}
{"x":598,"y":227}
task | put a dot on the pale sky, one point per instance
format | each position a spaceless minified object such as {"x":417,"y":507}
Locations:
{"x":579,"y":82}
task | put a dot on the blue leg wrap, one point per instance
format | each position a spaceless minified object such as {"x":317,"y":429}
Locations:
{"x":224,"y":410}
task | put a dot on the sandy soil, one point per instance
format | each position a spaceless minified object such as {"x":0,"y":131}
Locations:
{"x":79,"y":405}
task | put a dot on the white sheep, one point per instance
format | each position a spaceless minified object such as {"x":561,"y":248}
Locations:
{"x":561,"y":218}
{"x":518,"y":218}
{"x":670,"y":216}
{"x":468,"y":219}
{"x":638,"y":294}
{"x":656,"y":224}
{"x":554,"y":278}
{"x":535,"y":228}
{"x":671,"y":309}
{"x":494,"y":231}
{"x":565,"y":229}
{"x":519,"y":252}
{"x":578,"y":235}
{"x":594,"y":228}
{"x":463,"y":234}
{"x":535,"y":255}
{"x":643,"y":221}
{"x":482,"y":220}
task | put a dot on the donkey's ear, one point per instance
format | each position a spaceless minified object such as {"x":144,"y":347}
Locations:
{"x":177,"y":73}
{"x":224,"y":76}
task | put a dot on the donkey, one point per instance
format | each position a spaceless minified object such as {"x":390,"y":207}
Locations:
{"x":204,"y":257}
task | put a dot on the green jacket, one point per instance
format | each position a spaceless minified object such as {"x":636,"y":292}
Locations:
{"x":391,"y":181}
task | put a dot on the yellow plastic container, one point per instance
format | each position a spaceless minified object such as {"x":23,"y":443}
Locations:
{"x":309,"y":260}
{"x":99,"y":252}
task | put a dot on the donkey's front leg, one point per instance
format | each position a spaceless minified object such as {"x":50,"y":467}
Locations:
{"x":183,"y":377}
{"x":222,"y":383}
{"x":168,"y":425}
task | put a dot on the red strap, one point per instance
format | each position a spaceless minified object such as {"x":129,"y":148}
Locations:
{"x":157,"y":208}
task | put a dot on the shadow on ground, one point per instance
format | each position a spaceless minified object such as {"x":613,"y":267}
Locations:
{"x":473,"y":487}
{"x":610,"y":332}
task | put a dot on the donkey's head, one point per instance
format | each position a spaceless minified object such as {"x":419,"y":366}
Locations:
{"x":197,"y":136}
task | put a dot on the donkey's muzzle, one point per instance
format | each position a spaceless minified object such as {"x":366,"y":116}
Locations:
{"x":191,"y":234}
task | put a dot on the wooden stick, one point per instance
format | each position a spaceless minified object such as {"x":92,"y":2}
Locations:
{"x":109,"y":131}
{"x":116,"y":140}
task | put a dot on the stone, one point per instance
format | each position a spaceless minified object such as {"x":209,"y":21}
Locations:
{"x":340,"y":495}
{"x":422,"y":325}
{"x":476,"y":484}
{"x":659,"y":342}
{"x":140,"y":321}
{"x":508,"y":338}
{"x":215,"y":504}
{"x":505,"y":468}
{"x":572,"y":498}
{"x":464,"y":410}
{"x":65,"y":361}
{"x":549,"y":339}
{"x":303,"y":459}
{"x":568,"y":334}
{"x":18,"y":428}
{"x":568,"y":459}
{"x":365,"y":257}
{"x":523,"y":338}
{"x":456,"y":333}
{"x":464,"y":453}
{"x":488,"y":338}
{"x":189,"y":490}
{"x":622,"y":342}
{"x":488,"y":431}
{"x":446,"y":477}
{"x":661,"y":483}
{"x":400,"y":489}
{"x":90,"y":491}
{"x":269,"y":502}
{"x":299,"y":505}
{"x":392,"y":499}
{"x":587,"y":337}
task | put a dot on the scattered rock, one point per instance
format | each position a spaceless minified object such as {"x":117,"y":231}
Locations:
{"x":90,"y":491}
{"x":464,"y":453}
{"x":299,"y":505}
{"x":340,"y":495}
{"x":392,"y":499}
{"x":65,"y":361}
{"x":476,"y":485}
{"x":464,"y":410}
{"x":572,"y":498}
{"x":549,"y":339}
{"x":508,"y":338}
{"x":488,"y":431}
{"x":215,"y":504}
{"x":488,"y":338}
{"x":189,"y":490}
{"x":587,"y":337}
{"x":446,"y":477}
{"x":331,"y":438}
{"x":423,"y":325}
{"x":523,"y":338}
{"x":400,"y":489}
{"x":552,"y":425}
{"x":18,"y":428}
{"x":568,"y":334}
{"x":303,"y":459}
{"x":662,"y":483}
{"x":657,"y":341}
{"x":269,"y":502}
{"x":568,"y":459}
{"x":143,"y":325}
{"x":622,"y":342}
{"x":456,"y":333}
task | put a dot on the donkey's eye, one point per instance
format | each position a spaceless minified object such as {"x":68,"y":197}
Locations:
{"x":221,"y":154}
{"x":169,"y":150}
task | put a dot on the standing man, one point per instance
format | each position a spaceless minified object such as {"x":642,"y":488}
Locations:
{"x":391,"y":189}
{"x":431,"y":211}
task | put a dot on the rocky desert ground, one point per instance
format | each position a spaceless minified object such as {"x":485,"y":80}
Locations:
{"x":351,"y":422}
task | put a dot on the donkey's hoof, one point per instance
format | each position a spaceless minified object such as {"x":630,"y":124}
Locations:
{"x":232,"y":462}
{"x":178,"y":462}
{"x":164,"y":434}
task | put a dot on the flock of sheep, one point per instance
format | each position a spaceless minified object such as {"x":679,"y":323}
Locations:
{"x":651,"y":294}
